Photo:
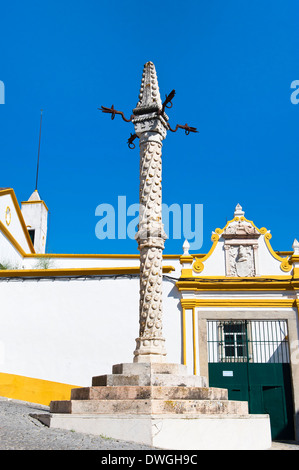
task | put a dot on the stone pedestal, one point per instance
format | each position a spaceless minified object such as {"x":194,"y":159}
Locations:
{"x":160,"y":405}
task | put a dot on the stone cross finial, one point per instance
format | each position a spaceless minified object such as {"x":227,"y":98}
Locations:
{"x":238,"y":211}
{"x":149,"y":96}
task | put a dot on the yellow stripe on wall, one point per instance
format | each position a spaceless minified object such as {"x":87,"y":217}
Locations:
{"x":33,"y":390}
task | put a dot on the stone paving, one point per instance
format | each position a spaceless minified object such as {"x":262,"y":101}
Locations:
{"x":20,"y":431}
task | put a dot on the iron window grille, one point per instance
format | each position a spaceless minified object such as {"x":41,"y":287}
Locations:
{"x":256,"y":341}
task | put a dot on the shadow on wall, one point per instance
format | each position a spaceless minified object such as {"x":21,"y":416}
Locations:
{"x":175,"y":294}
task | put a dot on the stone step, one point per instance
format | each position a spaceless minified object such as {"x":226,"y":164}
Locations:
{"x":160,"y":380}
{"x":135,"y":368}
{"x":140,"y":407}
{"x":148,"y":392}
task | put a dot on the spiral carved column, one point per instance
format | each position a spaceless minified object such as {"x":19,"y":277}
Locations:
{"x":150,"y":124}
{"x":150,"y":237}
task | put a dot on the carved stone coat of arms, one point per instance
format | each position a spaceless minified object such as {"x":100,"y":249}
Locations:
{"x":241,"y":246}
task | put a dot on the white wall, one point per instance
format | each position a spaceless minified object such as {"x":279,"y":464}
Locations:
{"x":15,"y":227}
{"x":96,"y":262}
{"x":71,"y":330}
{"x":8,"y":254}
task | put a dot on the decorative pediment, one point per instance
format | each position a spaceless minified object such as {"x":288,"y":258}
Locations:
{"x":240,"y":230}
{"x":240,"y":241}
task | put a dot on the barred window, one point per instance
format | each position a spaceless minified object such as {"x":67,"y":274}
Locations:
{"x":256,"y":341}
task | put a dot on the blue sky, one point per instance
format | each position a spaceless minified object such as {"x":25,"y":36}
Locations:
{"x":231,"y":63}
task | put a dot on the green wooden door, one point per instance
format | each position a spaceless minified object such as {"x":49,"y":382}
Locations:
{"x":266,"y":386}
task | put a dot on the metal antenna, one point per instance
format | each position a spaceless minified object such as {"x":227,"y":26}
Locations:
{"x":40,"y":131}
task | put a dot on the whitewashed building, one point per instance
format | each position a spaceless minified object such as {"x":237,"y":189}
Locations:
{"x":65,"y":317}
{"x":231,"y":315}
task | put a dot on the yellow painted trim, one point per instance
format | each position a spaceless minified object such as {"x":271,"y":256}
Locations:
{"x":186,"y":259}
{"x":294,"y":259}
{"x":87,"y":255}
{"x":194,"y":343}
{"x":284,"y":253}
{"x":250,"y":303}
{"x":70,"y":255}
{"x":36,"y":202}
{"x":285,"y":264}
{"x":275,"y":277}
{"x":186,"y":273}
{"x":184,"y":336}
{"x":69,"y":272}
{"x":198,"y":266}
{"x":7,"y":218}
{"x":34,"y":255}
{"x":20,"y":215}
{"x":238,"y":284}
{"x":262,"y":230}
{"x":296,"y":305}
{"x":33,"y":390}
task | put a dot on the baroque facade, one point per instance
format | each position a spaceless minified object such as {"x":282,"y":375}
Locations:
{"x":242,"y":300}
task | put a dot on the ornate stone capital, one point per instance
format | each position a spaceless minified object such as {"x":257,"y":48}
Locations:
{"x":150,"y":123}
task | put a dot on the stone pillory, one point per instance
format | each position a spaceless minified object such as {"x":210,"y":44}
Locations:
{"x":151,"y":129}
{"x":151,"y":126}
{"x":151,"y":401}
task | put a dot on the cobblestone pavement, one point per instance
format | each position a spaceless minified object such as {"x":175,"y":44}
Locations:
{"x":20,"y":431}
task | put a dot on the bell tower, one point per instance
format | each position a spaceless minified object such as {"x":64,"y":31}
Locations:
{"x":35,"y":213}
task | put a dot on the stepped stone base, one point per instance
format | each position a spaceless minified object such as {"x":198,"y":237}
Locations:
{"x":150,"y":406}
{"x":160,"y":405}
{"x":175,"y":432}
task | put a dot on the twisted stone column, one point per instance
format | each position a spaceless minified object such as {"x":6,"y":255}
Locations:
{"x":151,"y":127}
{"x":150,"y":237}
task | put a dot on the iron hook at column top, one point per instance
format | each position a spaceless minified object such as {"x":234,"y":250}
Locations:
{"x":167,"y":101}
{"x":132,"y":137}
{"x":113,"y":112}
{"x":186,"y":128}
